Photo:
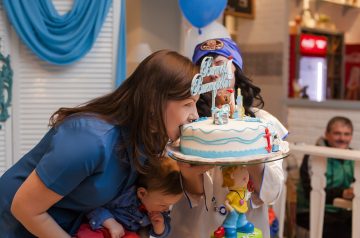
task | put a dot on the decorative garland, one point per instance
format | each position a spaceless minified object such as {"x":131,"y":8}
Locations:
{"x":6,"y":76}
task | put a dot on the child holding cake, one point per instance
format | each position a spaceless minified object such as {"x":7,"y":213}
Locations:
{"x":145,"y":204}
{"x":200,"y":218}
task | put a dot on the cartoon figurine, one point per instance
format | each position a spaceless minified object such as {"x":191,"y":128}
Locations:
{"x":276,"y":144}
{"x":224,"y":97}
{"x":236,"y":178}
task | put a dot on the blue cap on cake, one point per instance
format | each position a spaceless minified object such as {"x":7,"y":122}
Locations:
{"x":221,"y":46}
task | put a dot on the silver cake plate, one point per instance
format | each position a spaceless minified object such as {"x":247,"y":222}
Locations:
{"x":175,"y":153}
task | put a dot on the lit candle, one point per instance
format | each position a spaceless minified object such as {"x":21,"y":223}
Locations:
{"x":239,"y":102}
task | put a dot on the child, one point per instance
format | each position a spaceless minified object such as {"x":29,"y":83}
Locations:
{"x":146,"y":204}
{"x":203,"y":216}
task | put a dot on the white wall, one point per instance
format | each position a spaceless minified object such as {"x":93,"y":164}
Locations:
{"x":267,"y":31}
{"x":308,"y":124}
{"x":156,"y":22}
{"x":161,"y":20}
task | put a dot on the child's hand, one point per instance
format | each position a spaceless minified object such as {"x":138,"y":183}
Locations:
{"x":157,"y":220}
{"x":116,"y":230}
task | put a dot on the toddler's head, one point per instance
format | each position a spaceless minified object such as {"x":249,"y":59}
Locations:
{"x":160,"y":187}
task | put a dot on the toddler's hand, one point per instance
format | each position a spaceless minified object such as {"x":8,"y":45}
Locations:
{"x":157,"y":220}
{"x":115,"y":229}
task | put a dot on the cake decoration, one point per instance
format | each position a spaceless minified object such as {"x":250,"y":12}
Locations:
{"x":276,"y":143}
{"x":224,"y":72}
{"x":240,"y":107}
{"x":268,"y":136}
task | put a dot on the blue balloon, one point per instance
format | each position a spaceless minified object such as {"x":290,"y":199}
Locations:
{"x":202,"y":12}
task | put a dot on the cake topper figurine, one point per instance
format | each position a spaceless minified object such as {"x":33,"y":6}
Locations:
{"x":225,"y":107}
{"x":236,"y":179}
{"x":276,"y":143}
{"x":224,"y":74}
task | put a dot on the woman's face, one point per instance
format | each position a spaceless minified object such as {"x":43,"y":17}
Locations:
{"x":178,"y":113}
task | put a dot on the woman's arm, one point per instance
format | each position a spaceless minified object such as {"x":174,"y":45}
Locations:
{"x":30,"y":205}
{"x":268,"y":182}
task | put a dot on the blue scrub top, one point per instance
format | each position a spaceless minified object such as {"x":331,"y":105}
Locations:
{"x":79,"y":159}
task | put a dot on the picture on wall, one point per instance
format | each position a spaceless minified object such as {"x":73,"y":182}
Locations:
{"x":241,"y":8}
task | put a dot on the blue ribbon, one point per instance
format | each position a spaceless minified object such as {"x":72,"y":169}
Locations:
{"x":58,"y":39}
{"x":121,"y":60}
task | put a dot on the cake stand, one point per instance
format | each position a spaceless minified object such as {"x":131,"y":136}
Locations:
{"x":174,"y":152}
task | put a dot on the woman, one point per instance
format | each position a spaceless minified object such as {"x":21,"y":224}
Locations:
{"x":94,"y":152}
{"x":201,"y":220}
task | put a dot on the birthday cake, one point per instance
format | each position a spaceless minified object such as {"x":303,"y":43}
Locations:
{"x":237,"y":138}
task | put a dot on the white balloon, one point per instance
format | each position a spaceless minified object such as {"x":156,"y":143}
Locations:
{"x":194,"y":37}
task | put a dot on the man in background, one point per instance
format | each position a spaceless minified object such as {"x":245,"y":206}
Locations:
{"x":339,"y":177}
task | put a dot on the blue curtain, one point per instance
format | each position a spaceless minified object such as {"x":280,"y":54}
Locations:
{"x":58,"y":39}
{"x":121,"y":61}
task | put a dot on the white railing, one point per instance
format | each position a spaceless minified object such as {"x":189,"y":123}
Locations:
{"x":318,"y":183}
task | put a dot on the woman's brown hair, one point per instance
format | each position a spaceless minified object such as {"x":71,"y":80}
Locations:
{"x":140,"y":101}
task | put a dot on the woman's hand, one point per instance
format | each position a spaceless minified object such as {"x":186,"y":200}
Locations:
{"x":115,"y":229}
{"x":192,"y":176}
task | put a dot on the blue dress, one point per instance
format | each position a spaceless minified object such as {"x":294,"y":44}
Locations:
{"x":79,"y":159}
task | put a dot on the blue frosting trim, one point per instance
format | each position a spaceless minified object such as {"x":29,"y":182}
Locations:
{"x":211,"y":131}
{"x":218,"y":154}
{"x":224,"y":140}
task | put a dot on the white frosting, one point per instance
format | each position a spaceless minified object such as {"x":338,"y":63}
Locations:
{"x":236,"y":139}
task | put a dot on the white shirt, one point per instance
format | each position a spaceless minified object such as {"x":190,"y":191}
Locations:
{"x":195,"y":221}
